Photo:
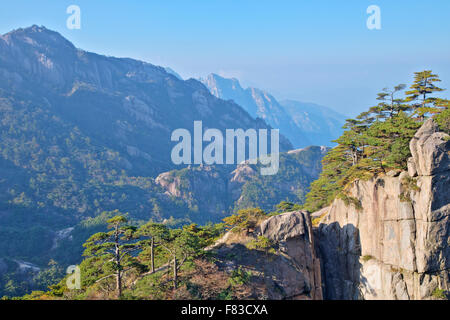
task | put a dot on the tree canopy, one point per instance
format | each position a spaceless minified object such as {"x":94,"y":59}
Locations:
{"x":377,"y":140}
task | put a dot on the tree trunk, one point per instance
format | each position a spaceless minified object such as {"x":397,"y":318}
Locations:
{"x":152,"y":255}
{"x":118,"y":266}
{"x":175,"y":272}
{"x":119,"y":284}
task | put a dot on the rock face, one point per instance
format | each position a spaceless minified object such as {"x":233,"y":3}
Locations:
{"x":397,"y":245}
{"x":215,"y":191}
{"x":203,"y":188}
{"x":290,"y":271}
{"x":429,"y":150}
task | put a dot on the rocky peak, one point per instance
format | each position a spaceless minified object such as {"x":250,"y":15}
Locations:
{"x":38,"y":37}
{"x":220,"y":87}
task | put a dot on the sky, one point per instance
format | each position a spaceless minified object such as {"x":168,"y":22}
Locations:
{"x":313,"y":51}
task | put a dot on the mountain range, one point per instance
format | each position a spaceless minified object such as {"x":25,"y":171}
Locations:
{"x":85,"y":141}
{"x":83,"y":134}
{"x":302,"y":123}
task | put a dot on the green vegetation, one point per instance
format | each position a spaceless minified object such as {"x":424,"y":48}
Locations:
{"x":290,"y":185}
{"x":261,"y":243}
{"x":113,"y":250}
{"x":439,"y":294}
{"x":127,"y":262}
{"x":367,"y":257}
{"x":409,"y":184}
{"x":245,"y":220}
{"x":239,"y":277}
{"x":378,"y":140}
{"x":443,"y":118}
{"x":316,"y":220}
{"x":286,"y":206}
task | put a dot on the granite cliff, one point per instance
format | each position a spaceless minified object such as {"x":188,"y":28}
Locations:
{"x":395,"y":245}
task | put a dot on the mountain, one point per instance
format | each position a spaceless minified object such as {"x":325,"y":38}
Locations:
{"x":83,"y":134}
{"x":320,"y":124}
{"x":91,"y":123}
{"x":173,"y":72}
{"x":302,"y":123}
{"x":218,"y":190}
{"x":259,"y":104}
{"x":394,"y":246}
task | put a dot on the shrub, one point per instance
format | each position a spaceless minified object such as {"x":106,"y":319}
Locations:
{"x":240,"y":277}
{"x":367,"y":257}
{"x":439,"y":294}
{"x":246,"y":219}
{"x":261,"y":243}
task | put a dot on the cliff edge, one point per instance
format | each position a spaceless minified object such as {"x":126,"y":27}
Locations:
{"x":395,"y":243}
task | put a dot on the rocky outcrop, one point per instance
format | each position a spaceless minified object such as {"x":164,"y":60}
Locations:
{"x":397,"y":245}
{"x":215,"y":190}
{"x":289,"y":270}
{"x":203,"y":188}
{"x":429,"y":149}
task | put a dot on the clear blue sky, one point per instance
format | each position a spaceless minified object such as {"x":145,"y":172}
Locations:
{"x":318,"y":51}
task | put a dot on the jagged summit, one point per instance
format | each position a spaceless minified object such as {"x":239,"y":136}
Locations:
{"x":219,"y":85}
{"x":46,"y":57}
{"x":32,"y":29}
{"x":37,"y":36}
{"x":303,"y":123}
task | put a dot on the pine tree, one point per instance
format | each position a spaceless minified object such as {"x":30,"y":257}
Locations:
{"x":443,"y":117}
{"x":181,"y":246}
{"x":420,"y":92}
{"x":378,"y":140}
{"x":114,"y":247}
{"x":390,"y":105}
{"x":156,"y":234}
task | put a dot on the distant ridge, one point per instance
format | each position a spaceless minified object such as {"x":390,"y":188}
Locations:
{"x":302,"y":123}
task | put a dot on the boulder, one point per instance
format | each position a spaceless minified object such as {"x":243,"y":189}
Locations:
{"x":285,"y":226}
